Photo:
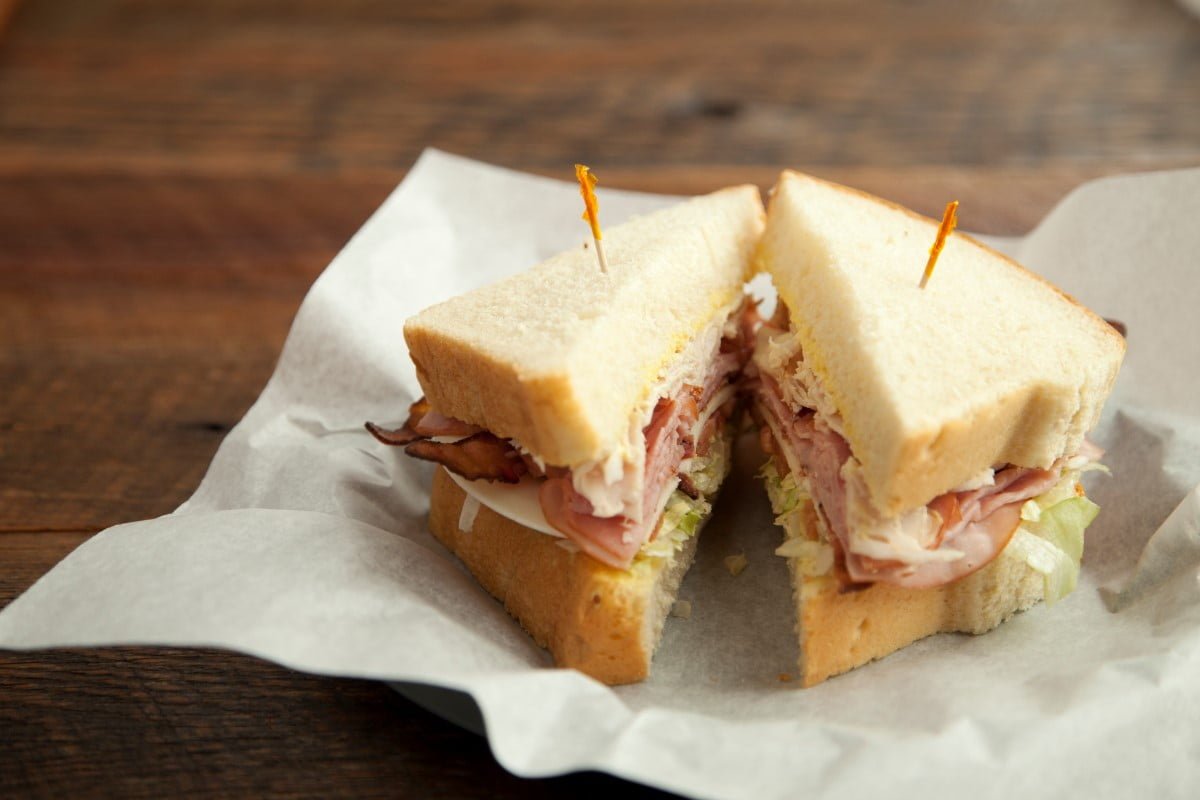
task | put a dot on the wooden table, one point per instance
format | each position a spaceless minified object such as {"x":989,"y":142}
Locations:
{"x":174,"y":176}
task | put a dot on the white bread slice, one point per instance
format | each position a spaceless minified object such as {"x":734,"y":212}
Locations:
{"x":989,"y":364}
{"x":601,"y":621}
{"x":843,"y":629}
{"x":561,"y":356}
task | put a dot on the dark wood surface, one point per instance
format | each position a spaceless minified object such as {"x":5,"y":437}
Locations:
{"x":313,"y":85}
{"x":173,"y":176}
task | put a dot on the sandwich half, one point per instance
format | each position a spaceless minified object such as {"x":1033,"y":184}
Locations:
{"x":582,"y":421}
{"x":925,"y":445}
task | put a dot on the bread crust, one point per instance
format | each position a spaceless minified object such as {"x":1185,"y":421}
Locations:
{"x":843,"y":630}
{"x":599,"y":620}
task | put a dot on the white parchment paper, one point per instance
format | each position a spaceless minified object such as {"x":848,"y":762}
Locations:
{"x":306,"y":545}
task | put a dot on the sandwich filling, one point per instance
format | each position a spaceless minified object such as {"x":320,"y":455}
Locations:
{"x":957,"y":533}
{"x":611,"y":508}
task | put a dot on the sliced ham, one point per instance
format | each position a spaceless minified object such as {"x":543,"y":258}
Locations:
{"x":977,"y":524}
{"x":812,"y":448}
{"x":669,"y":441}
{"x":979,"y":542}
{"x":616,"y":540}
{"x":724,"y":369}
{"x":610,"y":540}
{"x":829,"y":453}
{"x":1019,"y":484}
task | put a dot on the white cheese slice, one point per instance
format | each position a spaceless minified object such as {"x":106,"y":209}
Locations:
{"x":517,"y":501}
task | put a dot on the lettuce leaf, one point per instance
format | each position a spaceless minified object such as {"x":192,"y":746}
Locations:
{"x":1052,"y":543}
{"x":708,"y":471}
{"x":815,"y":558}
{"x":785,"y":494}
{"x":681,"y":519}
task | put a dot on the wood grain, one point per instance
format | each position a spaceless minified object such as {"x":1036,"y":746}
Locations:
{"x":140,"y":319}
{"x":313,"y":86}
{"x":7,"y":9}
{"x":135,"y":722}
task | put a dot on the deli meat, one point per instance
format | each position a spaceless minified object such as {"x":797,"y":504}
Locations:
{"x":610,"y":540}
{"x":616,"y":540}
{"x":979,"y":542}
{"x":474,"y":454}
{"x":973,"y":525}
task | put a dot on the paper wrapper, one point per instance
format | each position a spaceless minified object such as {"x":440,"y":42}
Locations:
{"x":306,"y":544}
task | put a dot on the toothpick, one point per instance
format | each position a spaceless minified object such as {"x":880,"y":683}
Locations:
{"x":949,"y":220}
{"x":591,"y":209}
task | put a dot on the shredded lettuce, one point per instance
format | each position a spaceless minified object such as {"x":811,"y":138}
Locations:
{"x":785,"y":494}
{"x":681,"y":520}
{"x":683,"y":515}
{"x":708,"y":471}
{"x":1050,"y":537}
{"x":815,"y":556}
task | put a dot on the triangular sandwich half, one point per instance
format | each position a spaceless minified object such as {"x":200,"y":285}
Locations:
{"x":926,"y":444}
{"x":583,"y":423}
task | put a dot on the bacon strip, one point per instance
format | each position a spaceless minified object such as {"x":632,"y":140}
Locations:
{"x":405,"y":434}
{"x":481,"y":456}
{"x":422,"y":423}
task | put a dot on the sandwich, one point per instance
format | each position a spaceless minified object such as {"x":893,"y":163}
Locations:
{"x":581,"y":420}
{"x":925,"y":445}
